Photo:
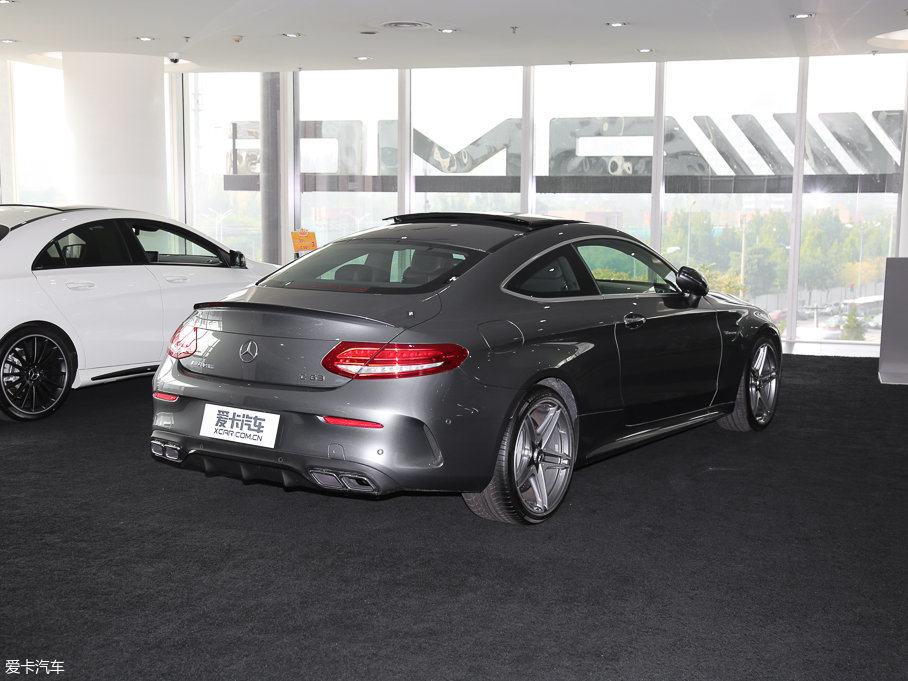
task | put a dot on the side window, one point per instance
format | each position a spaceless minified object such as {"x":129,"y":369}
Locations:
{"x":622,"y":267}
{"x":554,"y":275}
{"x":167,"y":245}
{"x":92,"y":245}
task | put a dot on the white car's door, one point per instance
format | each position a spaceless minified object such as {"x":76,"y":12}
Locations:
{"x":113,"y":305}
{"x":188,"y":268}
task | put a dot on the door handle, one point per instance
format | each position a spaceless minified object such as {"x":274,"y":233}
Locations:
{"x":176,"y":278}
{"x":632,"y":320}
{"x":80,"y":285}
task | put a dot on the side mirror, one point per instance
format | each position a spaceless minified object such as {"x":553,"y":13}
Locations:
{"x":691,"y":282}
{"x":237,"y":259}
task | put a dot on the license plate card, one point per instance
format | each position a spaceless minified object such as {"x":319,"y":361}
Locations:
{"x":244,"y":426}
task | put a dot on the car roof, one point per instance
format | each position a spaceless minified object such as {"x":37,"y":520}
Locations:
{"x":511,"y":221}
{"x":479,"y":231}
{"x":13,"y":215}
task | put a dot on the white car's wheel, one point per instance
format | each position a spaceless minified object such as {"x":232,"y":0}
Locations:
{"x":37,"y":369}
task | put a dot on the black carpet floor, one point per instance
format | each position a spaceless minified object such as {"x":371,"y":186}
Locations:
{"x":710,"y":555}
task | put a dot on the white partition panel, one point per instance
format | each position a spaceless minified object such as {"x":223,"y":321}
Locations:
{"x":894,"y":340}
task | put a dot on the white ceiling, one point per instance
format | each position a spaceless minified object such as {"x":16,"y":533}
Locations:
{"x":202,"y":31}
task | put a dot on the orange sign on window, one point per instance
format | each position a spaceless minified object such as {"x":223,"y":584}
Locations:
{"x":303,"y":240}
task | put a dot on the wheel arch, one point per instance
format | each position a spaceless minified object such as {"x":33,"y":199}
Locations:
{"x":56,"y":328}
{"x":555,"y":382}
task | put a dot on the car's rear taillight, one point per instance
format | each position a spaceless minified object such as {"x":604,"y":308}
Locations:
{"x":394,"y":360}
{"x":183,"y":342}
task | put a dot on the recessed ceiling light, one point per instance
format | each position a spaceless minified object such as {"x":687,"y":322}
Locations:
{"x":645,"y":50}
{"x":406,"y":25}
{"x":447,"y":30}
{"x":616,"y":24}
{"x":8,"y":41}
{"x":144,"y":38}
{"x":803,"y":15}
{"x":362,"y":58}
{"x":292,"y":35}
{"x":368,"y":32}
{"x":7,"y":2}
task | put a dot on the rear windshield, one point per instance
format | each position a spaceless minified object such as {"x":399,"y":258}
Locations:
{"x":373,"y":266}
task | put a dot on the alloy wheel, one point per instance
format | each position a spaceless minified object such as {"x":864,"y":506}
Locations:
{"x":763,"y":384}
{"x":34,"y":375}
{"x":543,"y":457}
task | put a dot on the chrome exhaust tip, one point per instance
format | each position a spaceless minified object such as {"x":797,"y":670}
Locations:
{"x":357,"y":483}
{"x":353,"y":482}
{"x":326,"y":479}
{"x":166,"y":450}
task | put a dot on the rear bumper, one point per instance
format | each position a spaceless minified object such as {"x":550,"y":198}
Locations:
{"x":298,"y":473}
{"x":440,"y":433}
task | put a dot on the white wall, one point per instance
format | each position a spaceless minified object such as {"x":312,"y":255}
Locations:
{"x":115,"y":113}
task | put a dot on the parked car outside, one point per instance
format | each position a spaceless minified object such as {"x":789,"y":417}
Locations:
{"x":93,"y":294}
{"x":487,"y":355}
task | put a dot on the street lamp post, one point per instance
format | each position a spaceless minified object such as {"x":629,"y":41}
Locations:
{"x":860,"y":253}
{"x":690,"y":208}
{"x":743,"y":247}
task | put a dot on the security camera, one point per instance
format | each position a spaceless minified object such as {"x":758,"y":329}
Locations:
{"x":174,"y":57}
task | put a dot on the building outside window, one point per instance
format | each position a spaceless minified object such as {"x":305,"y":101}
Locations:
{"x":594,"y":143}
{"x":348,"y":150}
{"x":729,"y":149}
{"x":40,"y":138}
{"x":467,"y":139}
{"x":224,"y":158}
{"x":855,"y":116}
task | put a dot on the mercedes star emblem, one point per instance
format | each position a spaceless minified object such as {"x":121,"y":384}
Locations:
{"x":249,"y":351}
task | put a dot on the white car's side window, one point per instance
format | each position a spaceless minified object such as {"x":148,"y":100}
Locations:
{"x":91,"y":245}
{"x":169,"y":247}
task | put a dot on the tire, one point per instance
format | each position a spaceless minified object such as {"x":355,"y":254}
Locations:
{"x":535,"y":463}
{"x":758,"y":392}
{"x":37,"y":368}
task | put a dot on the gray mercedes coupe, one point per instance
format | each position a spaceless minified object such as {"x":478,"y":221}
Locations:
{"x":488,"y":355}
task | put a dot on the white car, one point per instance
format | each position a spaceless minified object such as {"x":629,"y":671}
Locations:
{"x":89,"y":295}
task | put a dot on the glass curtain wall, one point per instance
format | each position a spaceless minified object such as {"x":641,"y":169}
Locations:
{"x":467,"y":139}
{"x":224,"y":158}
{"x":728,"y":157}
{"x":594,"y":143}
{"x":729,"y":150}
{"x":348,"y":150}
{"x":40,"y":138}
{"x":855,"y":118}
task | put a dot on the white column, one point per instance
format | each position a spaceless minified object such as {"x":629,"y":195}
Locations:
{"x":404,"y":143}
{"x":903,"y":221}
{"x":797,"y":204}
{"x":290,"y":163}
{"x":7,"y":165}
{"x":115,"y":115}
{"x":902,"y":212}
{"x":657,"y":185}
{"x":528,"y":144}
